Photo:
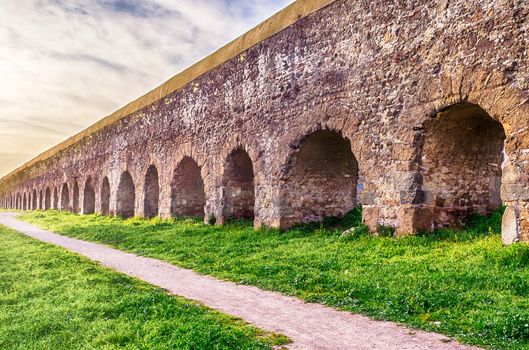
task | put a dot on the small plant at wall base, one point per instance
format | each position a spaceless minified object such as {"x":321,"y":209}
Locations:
{"x":212,"y":220}
{"x":463,"y":283}
{"x":386,"y":231}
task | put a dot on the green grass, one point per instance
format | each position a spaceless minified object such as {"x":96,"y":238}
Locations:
{"x":52,"y":299}
{"x":464,"y":284}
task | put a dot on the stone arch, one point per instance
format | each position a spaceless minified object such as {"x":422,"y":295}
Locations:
{"x":89,"y":197}
{"x":105,"y":196}
{"x":151,"y":190}
{"x":461,"y":163}
{"x":55,"y":199}
{"x":126,"y":196}
{"x":34,"y":201}
{"x":25,"y":202}
{"x":187,"y":189}
{"x":75,"y":200}
{"x":47,"y":199}
{"x":65,"y":197}
{"x":320,"y":179}
{"x":238,"y":185}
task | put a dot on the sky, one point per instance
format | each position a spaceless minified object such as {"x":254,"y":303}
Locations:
{"x":64,"y":64}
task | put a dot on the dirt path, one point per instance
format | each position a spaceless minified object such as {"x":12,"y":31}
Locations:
{"x":310,"y":326}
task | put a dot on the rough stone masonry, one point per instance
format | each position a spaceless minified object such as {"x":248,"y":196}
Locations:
{"x":417,"y":110}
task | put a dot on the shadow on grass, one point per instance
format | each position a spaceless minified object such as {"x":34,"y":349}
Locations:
{"x":475,"y":227}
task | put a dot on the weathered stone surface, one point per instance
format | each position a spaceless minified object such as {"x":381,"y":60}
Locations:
{"x":417,"y":109}
{"x":510,"y":226}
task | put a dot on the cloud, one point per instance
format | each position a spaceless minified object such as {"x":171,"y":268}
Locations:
{"x":67,"y":63}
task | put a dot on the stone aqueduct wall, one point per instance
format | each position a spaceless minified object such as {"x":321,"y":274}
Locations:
{"x":427,"y":102}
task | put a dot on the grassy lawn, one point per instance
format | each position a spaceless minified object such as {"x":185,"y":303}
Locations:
{"x":463,"y":284}
{"x":52,"y":299}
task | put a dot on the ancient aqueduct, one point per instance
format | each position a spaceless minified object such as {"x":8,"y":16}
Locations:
{"x":418,"y":110}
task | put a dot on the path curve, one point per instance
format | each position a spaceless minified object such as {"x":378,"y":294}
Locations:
{"x":309,"y":326}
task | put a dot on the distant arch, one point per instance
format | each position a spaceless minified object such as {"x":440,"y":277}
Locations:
{"x":47,"y":199}
{"x":126,"y":196}
{"x":187,"y":190}
{"x":34,"y":200}
{"x":105,"y":196}
{"x":151,"y":192}
{"x":75,"y":201}
{"x":41,"y":200}
{"x":55,"y":199}
{"x":89,"y":197}
{"x":65,"y":197}
{"x":25,"y":202}
{"x":238,"y":183}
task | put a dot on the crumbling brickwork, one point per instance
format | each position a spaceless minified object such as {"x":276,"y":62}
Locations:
{"x":426,"y":102}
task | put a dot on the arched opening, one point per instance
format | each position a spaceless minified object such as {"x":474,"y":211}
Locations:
{"x":151,"y":192}
{"x":34,"y":200}
{"x":65,"y":197}
{"x":461,"y":163}
{"x":41,"y":200}
{"x":89,"y":197}
{"x":105,"y":196}
{"x":75,"y":201}
{"x":238,"y":182}
{"x":25,"y":202}
{"x":126,"y":196}
{"x":55,"y":199}
{"x":321,"y":180}
{"x":187,"y":190}
{"x":47,"y":199}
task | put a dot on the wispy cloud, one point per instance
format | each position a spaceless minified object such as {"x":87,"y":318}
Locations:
{"x":66,"y":63}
